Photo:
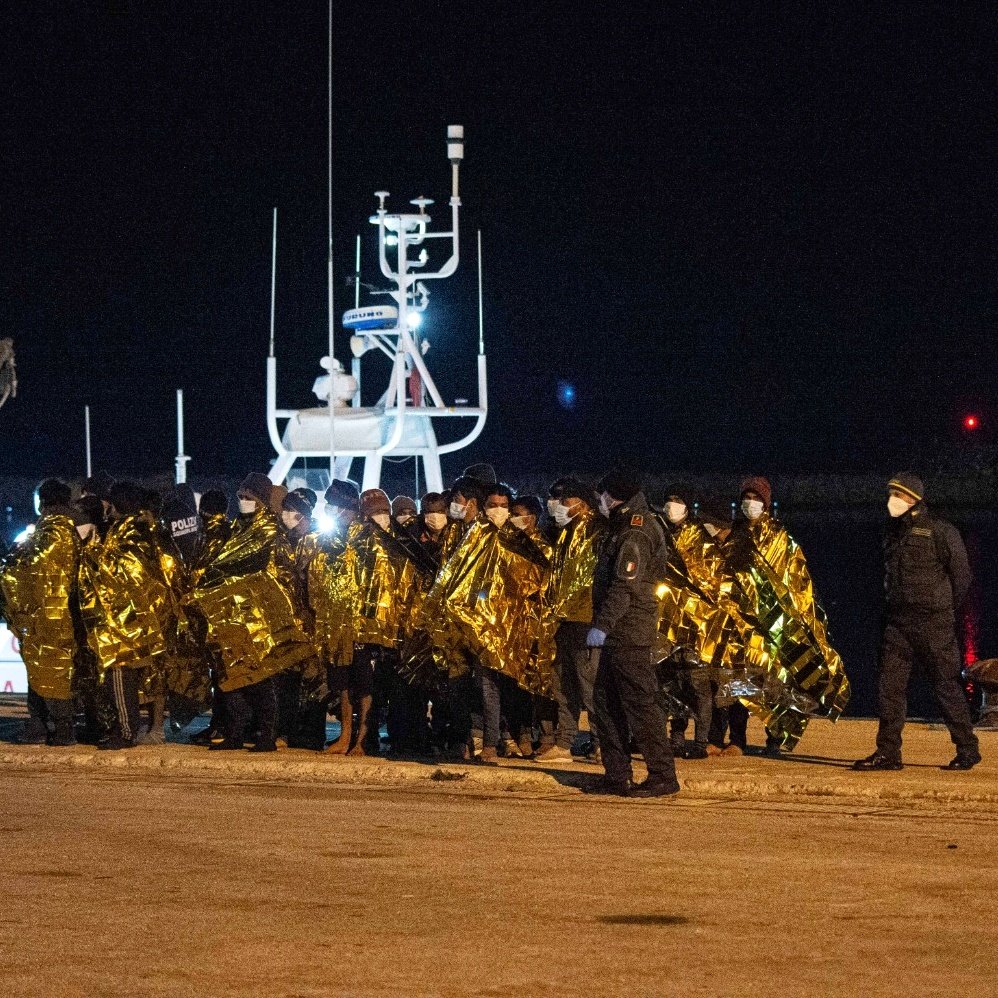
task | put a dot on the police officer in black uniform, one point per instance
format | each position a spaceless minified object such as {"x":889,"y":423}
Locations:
{"x":625,"y":616}
{"x":927,"y":580}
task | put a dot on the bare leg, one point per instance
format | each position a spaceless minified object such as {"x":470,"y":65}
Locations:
{"x":365,"y":709}
{"x":342,"y":744}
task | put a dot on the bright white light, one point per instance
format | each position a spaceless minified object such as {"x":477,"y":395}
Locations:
{"x":392,"y":240}
{"x":25,"y":534}
{"x":415,"y":320}
{"x":327,"y":523}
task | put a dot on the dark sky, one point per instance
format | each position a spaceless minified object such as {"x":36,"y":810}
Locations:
{"x":748,"y":241}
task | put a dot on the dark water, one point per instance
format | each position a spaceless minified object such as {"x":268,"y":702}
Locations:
{"x":843,"y":551}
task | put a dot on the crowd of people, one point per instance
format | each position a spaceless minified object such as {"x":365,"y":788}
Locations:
{"x":471,"y":624}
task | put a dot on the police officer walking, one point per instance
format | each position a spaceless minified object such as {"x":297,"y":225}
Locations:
{"x":927,"y":580}
{"x":625,"y":618}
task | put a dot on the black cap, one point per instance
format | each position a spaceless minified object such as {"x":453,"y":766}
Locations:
{"x":483,"y":473}
{"x":98,"y":485}
{"x":53,"y":492}
{"x":213,"y":502}
{"x":622,"y":484}
{"x":259,"y":486}
{"x":88,"y":509}
{"x":911,"y":485}
{"x":529,"y":502}
{"x":343,"y":492}
{"x":128,"y":498}
{"x":295,"y":503}
{"x":308,"y":495}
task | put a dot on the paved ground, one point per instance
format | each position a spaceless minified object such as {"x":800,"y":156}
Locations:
{"x":167,"y":871}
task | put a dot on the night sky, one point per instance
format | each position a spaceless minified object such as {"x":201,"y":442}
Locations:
{"x":747,"y":242}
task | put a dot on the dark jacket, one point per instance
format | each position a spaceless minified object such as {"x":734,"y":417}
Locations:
{"x":628,"y":571}
{"x":926,"y":565}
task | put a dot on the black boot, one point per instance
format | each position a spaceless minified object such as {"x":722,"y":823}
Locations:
{"x":964,"y":760}
{"x":877,"y":761}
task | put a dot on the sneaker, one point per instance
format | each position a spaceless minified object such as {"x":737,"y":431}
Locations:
{"x":488,"y":756}
{"x":225,"y":745}
{"x":654,"y":788}
{"x":510,"y":749}
{"x":878,"y":761}
{"x":264,"y":746}
{"x":151,"y":738}
{"x":116,"y":742}
{"x":713,"y":749}
{"x":592,"y":758}
{"x":554,"y":753}
{"x":605,"y":787}
{"x":963,"y":761}
{"x":730,"y":750}
{"x":696,"y":751}
{"x":526,"y":746}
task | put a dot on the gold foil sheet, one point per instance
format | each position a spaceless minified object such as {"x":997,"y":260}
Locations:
{"x":37,"y":584}
{"x":490,"y":602}
{"x":248,"y":599}
{"x":573,"y":564}
{"x":129,"y":608}
{"x":773,"y":586}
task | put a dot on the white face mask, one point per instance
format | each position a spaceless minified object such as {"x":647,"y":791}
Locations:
{"x":553,"y":504}
{"x":85,"y":530}
{"x":247,"y":506}
{"x":712,"y":531}
{"x":498,"y":514}
{"x":38,"y":505}
{"x":457,"y":511}
{"x":562,"y":515}
{"x":436,"y":521}
{"x":675,"y":512}
{"x":291,"y":518}
{"x":383,"y":520}
{"x":520,"y":522}
{"x":896,"y":506}
{"x":604,"y":504}
{"x":752,"y":508}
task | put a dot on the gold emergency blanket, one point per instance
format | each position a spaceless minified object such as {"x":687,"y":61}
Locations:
{"x":573,"y":563}
{"x":489,"y":602}
{"x":696,"y":611}
{"x":128,"y":604}
{"x":248,"y":599}
{"x":775,"y":593}
{"x":37,"y":584}
{"x":332,"y":597}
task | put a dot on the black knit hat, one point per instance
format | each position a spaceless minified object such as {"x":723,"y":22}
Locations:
{"x":257,"y":485}
{"x":433,"y":502}
{"x":911,"y":485}
{"x":295,"y":503}
{"x":622,"y":484}
{"x":308,"y":495}
{"x":403,"y":504}
{"x":558,"y":487}
{"x":53,"y":492}
{"x":483,"y":473}
{"x":98,"y":485}
{"x":344,"y":493}
{"x":128,"y":498}
{"x":88,"y":509}
{"x":214,"y":502}
{"x":575,"y":488}
{"x":531,"y":503}
{"x":717,"y":513}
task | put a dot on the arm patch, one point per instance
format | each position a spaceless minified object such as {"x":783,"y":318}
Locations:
{"x":629,"y":561}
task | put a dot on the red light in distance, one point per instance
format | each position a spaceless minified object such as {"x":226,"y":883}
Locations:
{"x":971,"y":422}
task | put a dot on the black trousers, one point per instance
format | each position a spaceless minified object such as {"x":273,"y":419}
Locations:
{"x":42,"y":711}
{"x":252,"y":703}
{"x":733,"y":718}
{"x":123,"y":686}
{"x":696,"y":691}
{"x":573,"y":679}
{"x":931,"y":642}
{"x":625,"y":702}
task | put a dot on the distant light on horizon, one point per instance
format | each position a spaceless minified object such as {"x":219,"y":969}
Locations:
{"x":567,"y":395}
{"x":971,"y":422}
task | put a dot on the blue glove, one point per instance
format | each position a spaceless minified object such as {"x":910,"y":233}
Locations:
{"x":595,"y":638}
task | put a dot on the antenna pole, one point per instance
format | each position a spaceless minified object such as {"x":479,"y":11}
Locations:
{"x":273,"y":282}
{"x":182,"y":458}
{"x":86,"y":438}
{"x":481,"y":312}
{"x":329,"y":178}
